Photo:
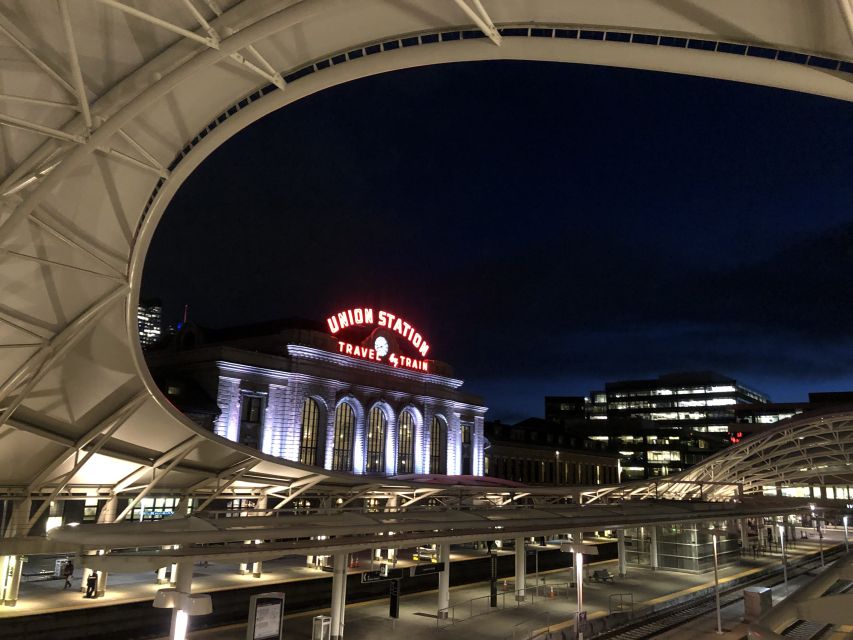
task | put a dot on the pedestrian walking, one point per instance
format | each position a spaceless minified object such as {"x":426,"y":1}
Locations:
{"x":68,"y":573}
{"x":91,"y":585}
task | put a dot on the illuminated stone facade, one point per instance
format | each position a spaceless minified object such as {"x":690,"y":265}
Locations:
{"x":289,"y":392}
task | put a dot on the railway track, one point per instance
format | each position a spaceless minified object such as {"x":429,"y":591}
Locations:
{"x":672,"y":617}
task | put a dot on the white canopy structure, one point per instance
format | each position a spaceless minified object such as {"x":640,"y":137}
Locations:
{"x":106,"y":106}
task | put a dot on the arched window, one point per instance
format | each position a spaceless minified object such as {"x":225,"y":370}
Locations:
{"x":377,"y":425}
{"x":437,"y":445}
{"x":310,"y":428}
{"x":406,"y":443}
{"x":342,"y":446}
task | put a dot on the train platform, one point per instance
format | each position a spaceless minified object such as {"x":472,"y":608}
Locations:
{"x":550,"y":602}
{"x":541,"y":613}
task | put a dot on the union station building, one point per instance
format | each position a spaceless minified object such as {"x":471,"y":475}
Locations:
{"x":358,"y":393}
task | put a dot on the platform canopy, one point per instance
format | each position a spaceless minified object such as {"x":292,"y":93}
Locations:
{"x":106,"y":106}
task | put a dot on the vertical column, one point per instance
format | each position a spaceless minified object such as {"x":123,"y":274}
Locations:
{"x":330,"y":433}
{"x":282,"y":422}
{"x":244,"y":566}
{"x":227,"y":424}
{"x":653,"y":555}
{"x":10,"y":580}
{"x":391,"y":506}
{"x":392,"y":442}
{"x":744,"y":535}
{"x":454,"y":445}
{"x":358,"y":441}
{"x":12,"y":566}
{"x":108,"y":514}
{"x":444,"y":580}
{"x":620,"y":547}
{"x":183,"y":584}
{"x":339,"y":595}
{"x":422,"y":441}
{"x":257,"y":567}
{"x":477,"y":443}
{"x":520,"y":566}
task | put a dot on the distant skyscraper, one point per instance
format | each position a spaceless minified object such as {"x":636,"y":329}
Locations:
{"x":149,"y":317}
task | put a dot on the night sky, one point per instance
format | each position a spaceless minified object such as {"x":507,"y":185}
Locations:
{"x":549,"y":227}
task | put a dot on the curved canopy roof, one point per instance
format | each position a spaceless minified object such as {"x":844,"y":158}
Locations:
{"x":106,"y":106}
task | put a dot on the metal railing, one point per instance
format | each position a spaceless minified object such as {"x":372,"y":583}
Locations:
{"x":506,"y":599}
{"x":620,"y":602}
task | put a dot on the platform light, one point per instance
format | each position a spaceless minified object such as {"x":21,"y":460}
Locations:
{"x":181,"y":620}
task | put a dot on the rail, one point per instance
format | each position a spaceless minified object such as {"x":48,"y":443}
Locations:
{"x":481,"y":605}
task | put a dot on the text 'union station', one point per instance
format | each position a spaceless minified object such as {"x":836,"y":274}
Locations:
{"x":356,"y":397}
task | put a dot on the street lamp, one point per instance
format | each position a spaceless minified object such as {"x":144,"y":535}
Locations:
{"x":578,"y":549}
{"x":556,"y":467}
{"x":784,"y":556}
{"x":846,"y":541}
{"x":714,"y":533}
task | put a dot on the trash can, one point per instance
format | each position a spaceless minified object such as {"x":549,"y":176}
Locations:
{"x":321,"y":628}
{"x":756,"y":602}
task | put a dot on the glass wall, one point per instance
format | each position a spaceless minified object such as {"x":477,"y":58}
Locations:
{"x":687,"y":548}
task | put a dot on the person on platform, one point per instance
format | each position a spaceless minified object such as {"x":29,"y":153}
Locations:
{"x":91,"y":585}
{"x":68,"y":573}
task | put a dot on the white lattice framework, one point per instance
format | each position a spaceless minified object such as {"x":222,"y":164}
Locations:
{"x":812,"y":449}
{"x":106,"y":106}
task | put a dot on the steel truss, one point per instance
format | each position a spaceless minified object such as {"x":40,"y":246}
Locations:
{"x":98,"y":147}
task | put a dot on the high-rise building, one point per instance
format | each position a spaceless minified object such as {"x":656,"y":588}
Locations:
{"x":701,"y":401}
{"x":663,"y":425}
{"x":149,"y":317}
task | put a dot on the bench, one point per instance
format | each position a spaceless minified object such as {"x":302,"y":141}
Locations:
{"x":602,"y":575}
{"x":44,"y":574}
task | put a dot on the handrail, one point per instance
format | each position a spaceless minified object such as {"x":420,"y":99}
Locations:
{"x":474,"y":607}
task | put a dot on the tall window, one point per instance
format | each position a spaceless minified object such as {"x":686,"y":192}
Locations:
{"x":310,"y":427}
{"x":406,"y":443}
{"x":376,"y":427}
{"x":342,"y":446}
{"x":437,"y":443}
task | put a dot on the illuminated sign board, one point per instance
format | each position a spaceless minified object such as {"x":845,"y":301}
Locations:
{"x":380,"y":350}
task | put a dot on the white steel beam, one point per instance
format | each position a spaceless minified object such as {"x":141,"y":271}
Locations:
{"x":116,"y":419}
{"x":61,"y":265}
{"x":6,"y":30}
{"x":37,"y":364}
{"x":193,"y":442}
{"x":7,"y":97}
{"x":481,"y":19}
{"x":143,"y":152}
{"x":20,"y":123}
{"x":846,"y":8}
{"x":64,"y":237}
{"x":305,"y":487}
{"x":201,"y":20}
{"x":226,"y":485}
{"x":210,"y":42}
{"x":76,"y":73}
{"x":133,"y":476}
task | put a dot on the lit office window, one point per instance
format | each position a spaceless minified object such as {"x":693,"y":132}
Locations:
{"x":437,"y":438}
{"x":406,"y":443}
{"x":342,"y":446}
{"x":310,"y":427}
{"x":377,"y":424}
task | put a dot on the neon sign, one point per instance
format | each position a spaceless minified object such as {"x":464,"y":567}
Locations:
{"x":396,"y":361}
{"x":361,"y":316}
